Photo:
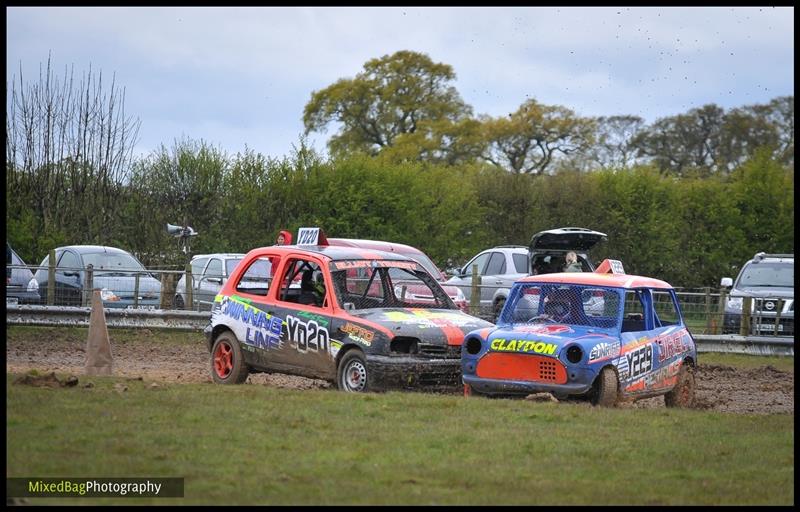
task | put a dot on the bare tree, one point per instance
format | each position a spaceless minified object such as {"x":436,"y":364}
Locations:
{"x":68,"y":148}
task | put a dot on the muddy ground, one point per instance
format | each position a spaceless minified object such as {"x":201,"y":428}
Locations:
{"x":761,"y":390}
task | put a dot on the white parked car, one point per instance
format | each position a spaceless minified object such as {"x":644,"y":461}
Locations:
{"x":209,"y":273}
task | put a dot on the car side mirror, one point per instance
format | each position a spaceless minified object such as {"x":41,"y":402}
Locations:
{"x":726,"y":282}
{"x":454,"y":272}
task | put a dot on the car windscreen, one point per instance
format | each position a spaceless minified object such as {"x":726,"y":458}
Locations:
{"x":779,"y":275}
{"x":426,"y":262}
{"x":109,"y":262}
{"x":543,"y":303}
{"x":365,"y":284}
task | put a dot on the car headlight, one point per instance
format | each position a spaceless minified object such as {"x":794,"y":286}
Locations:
{"x":108,"y":295}
{"x":734,"y":304}
{"x":33,"y":285}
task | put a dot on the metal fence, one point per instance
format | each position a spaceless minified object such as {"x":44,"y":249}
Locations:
{"x":121,"y":288}
{"x":136,"y":298}
{"x":703,"y":311}
{"x":66,"y":316}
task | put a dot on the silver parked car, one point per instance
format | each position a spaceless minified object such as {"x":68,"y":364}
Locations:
{"x":769,"y":280}
{"x":116,"y":273}
{"x":209,"y":273}
{"x":500,"y":266}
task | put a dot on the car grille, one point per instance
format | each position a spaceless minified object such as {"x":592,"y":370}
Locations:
{"x":524,"y":367}
{"x":448,"y":351}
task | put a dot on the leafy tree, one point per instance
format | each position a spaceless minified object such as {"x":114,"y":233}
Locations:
{"x":529,"y":139}
{"x":613,"y":146}
{"x":440,"y":142}
{"x":391,"y":97}
{"x":680,"y":143}
{"x":178,"y":185}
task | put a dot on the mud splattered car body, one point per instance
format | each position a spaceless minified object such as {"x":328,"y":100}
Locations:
{"x":635,"y":345}
{"x":337,"y":313}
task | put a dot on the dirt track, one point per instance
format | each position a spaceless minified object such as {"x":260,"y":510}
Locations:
{"x":762,"y":390}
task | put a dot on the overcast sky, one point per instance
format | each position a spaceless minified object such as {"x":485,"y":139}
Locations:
{"x":241,"y":76}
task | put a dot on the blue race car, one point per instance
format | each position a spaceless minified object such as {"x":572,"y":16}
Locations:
{"x":601,"y":335}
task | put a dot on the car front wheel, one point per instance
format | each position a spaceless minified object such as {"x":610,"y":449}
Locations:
{"x":227,"y":361}
{"x":605,"y":388}
{"x":352,"y":375}
{"x":683,"y":394}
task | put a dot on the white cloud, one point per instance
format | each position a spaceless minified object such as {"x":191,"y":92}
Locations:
{"x":248,"y":72}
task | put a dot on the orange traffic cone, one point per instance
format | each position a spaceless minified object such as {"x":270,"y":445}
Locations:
{"x":98,"y":346}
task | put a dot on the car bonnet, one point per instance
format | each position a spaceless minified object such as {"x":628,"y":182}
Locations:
{"x":425,"y":324}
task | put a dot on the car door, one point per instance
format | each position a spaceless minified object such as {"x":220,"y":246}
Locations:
{"x":307,"y":312}
{"x":69,"y":286}
{"x":464,"y":279}
{"x":493,"y":277}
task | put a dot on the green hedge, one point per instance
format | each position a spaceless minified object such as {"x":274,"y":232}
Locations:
{"x":689,"y":231}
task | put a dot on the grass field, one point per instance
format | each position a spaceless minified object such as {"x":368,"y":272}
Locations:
{"x":262,"y":445}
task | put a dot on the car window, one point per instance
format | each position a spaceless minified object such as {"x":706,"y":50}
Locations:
{"x":198,"y":265}
{"x":311,"y":289}
{"x":520,"y":263}
{"x":570,"y":304}
{"x":767,"y":274}
{"x":69,"y":262}
{"x":634,"y":319}
{"x":231,"y":264}
{"x":496,"y":265}
{"x":426,"y":262}
{"x":365,"y":284}
{"x":479,"y":260}
{"x":256,"y":278}
{"x":214,"y":268}
{"x":665,"y":308}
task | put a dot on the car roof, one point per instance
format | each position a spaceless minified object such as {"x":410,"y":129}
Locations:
{"x":510,"y":248}
{"x":219,"y":255}
{"x":88,"y":249}
{"x":337,"y":253}
{"x":598,"y":279}
{"x":782,"y":258}
{"x":379,"y":245}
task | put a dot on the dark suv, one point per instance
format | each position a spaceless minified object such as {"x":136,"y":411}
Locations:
{"x":769,"y":280}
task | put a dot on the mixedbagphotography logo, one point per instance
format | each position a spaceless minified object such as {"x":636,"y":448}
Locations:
{"x":94,"y":487}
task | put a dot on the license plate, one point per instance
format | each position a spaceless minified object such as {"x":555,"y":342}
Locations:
{"x":12,"y":301}
{"x":768,"y":327}
{"x":141,"y":307}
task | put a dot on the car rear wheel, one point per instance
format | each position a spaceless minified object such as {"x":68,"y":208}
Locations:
{"x":498,"y":307}
{"x":605,"y":389}
{"x":352,"y":375}
{"x":178,"y":302}
{"x":227,"y":361}
{"x":683,"y":394}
